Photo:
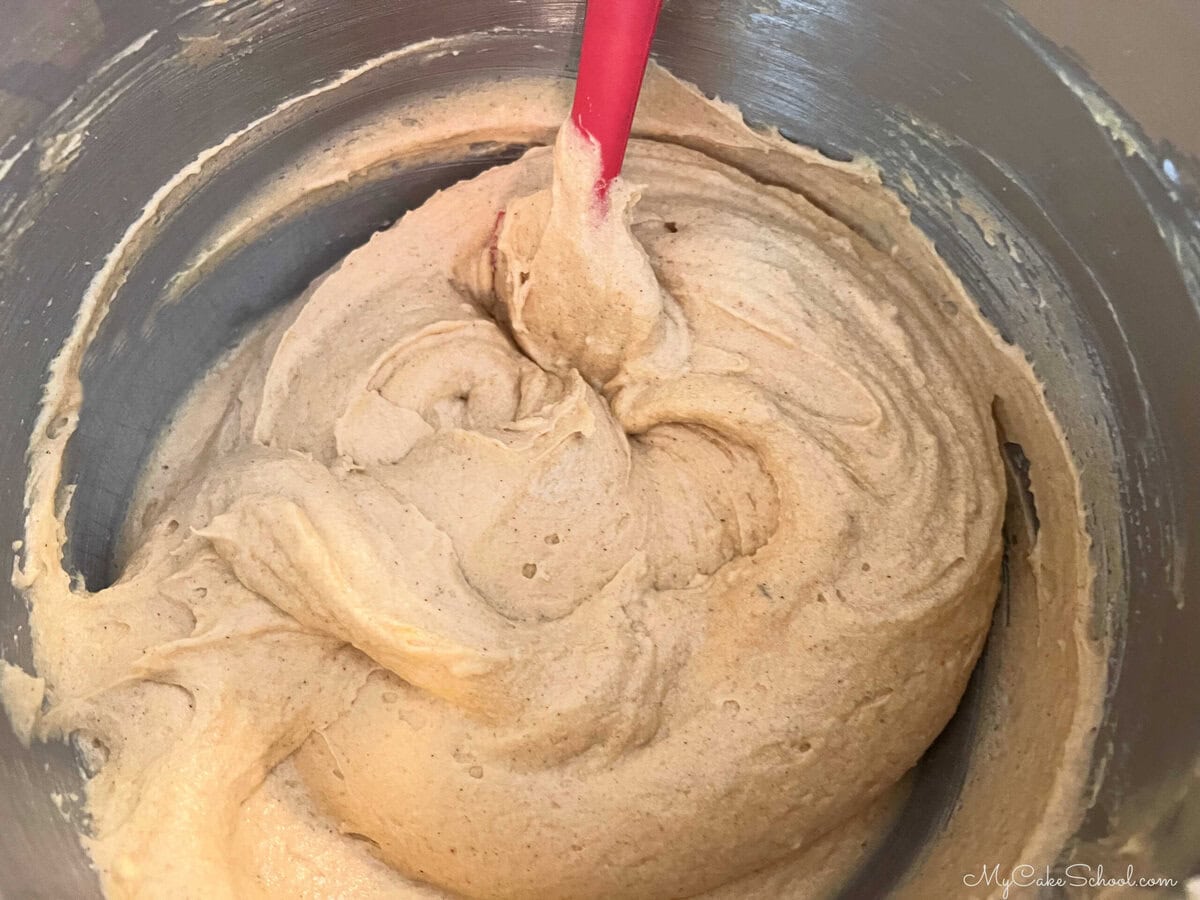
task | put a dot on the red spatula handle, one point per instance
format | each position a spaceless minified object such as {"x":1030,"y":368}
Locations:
{"x":616,"y":45}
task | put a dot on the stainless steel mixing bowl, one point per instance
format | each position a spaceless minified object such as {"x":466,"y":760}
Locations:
{"x":1097,"y":279}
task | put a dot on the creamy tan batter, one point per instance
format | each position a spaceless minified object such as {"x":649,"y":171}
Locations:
{"x":541,"y":552}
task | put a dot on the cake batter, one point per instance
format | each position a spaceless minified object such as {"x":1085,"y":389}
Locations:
{"x":543,"y":549}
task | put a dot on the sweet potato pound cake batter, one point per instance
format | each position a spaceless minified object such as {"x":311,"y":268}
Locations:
{"x":543,"y":551}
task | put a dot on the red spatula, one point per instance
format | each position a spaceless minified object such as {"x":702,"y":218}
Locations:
{"x":616,"y":45}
